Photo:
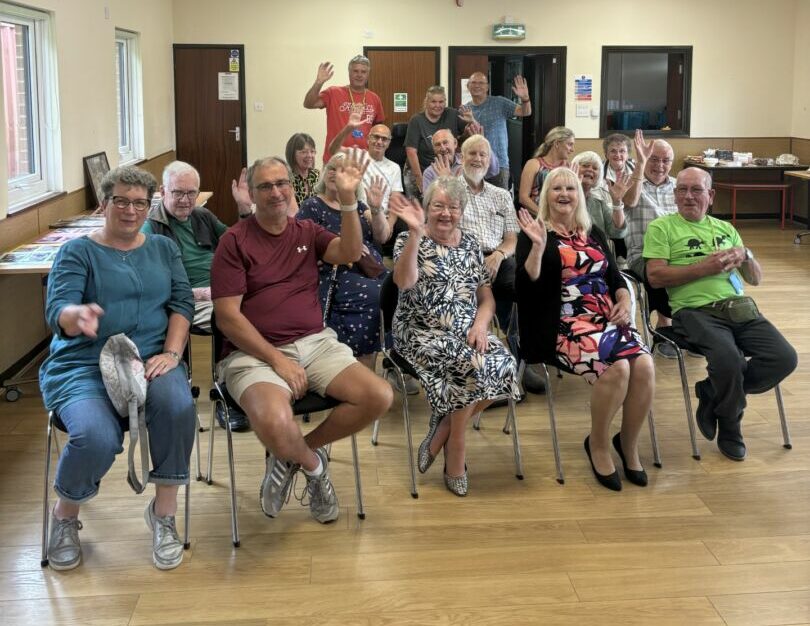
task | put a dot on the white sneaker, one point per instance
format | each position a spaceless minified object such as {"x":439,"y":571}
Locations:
{"x":64,"y":548}
{"x":167,"y":549}
{"x":411,"y":384}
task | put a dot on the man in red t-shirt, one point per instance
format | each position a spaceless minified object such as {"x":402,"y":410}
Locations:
{"x":339,"y":103}
{"x":264,"y":284}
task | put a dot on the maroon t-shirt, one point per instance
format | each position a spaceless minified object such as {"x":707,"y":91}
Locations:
{"x":277,"y":275}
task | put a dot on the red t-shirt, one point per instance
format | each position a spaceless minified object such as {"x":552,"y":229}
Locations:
{"x":339,"y":104}
{"x":277,"y":275}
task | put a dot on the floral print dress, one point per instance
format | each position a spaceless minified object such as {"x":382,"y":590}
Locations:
{"x":431,"y":323}
{"x":587,"y":343}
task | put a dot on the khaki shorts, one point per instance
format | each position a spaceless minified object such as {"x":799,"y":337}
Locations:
{"x":321,"y":355}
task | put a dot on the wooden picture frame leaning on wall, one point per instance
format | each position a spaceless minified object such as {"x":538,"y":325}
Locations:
{"x":95,"y":166}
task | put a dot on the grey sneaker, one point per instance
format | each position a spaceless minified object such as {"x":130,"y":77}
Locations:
{"x":167,"y":549}
{"x":411,"y":384}
{"x":323,"y":502}
{"x":275,"y":490}
{"x":665,"y":350}
{"x":64,"y":548}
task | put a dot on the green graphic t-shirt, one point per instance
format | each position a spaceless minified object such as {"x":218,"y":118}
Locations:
{"x":681,"y":242}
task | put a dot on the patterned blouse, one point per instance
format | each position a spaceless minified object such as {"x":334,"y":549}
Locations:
{"x":303,"y":186}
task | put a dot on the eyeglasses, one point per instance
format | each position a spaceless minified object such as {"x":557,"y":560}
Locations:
{"x":140,"y":204}
{"x":695,"y":191}
{"x":438,"y":207}
{"x":657,"y":161}
{"x":375,"y":137}
{"x":192,"y":194}
{"x":281,"y":185}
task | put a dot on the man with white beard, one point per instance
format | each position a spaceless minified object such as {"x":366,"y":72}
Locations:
{"x":490,"y":217}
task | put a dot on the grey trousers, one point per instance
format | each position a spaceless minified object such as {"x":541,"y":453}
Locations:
{"x":743,"y":357}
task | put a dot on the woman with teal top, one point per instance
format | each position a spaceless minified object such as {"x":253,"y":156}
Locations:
{"x":605,"y":207}
{"x":118,"y":280}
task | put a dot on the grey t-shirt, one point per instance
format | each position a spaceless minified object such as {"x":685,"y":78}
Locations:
{"x":421,"y":129}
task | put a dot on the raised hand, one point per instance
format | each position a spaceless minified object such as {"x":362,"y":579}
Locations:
{"x":520,"y":87}
{"x":409,"y":211}
{"x":619,"y":188}
{"x":375,"y":192}
{"x":443,"y":165}
{"x":466,"y":114}
{"x":535,"y":229}
{"x":356,"y":119}
{"x":240,"y":192}
{"x":349,"y":174}
{"x":474,"y":128}
{"x":325,"y":72}
{"x":643,"y":149}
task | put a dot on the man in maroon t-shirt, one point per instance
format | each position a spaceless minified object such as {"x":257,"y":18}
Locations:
{"x":341,"y":102}
{"x":264,"y":283}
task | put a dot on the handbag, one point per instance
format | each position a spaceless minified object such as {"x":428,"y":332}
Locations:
{"x":369,"y":266}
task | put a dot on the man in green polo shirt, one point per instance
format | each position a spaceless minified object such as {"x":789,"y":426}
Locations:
{"x":702,"y":262}
{"x":195,"y":230}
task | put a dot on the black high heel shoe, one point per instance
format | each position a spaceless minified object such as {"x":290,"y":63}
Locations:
{"x":637,"y":477}
{"x":611,"y":481}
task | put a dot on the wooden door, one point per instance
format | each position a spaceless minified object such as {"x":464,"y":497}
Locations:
{"x":402,"y":70}
{"x":209,"y":97}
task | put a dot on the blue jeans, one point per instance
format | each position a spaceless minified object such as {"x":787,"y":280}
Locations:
{"x":96,"y":435}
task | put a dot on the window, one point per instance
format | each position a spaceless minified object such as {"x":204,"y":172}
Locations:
{"x":31,"y":105}
{"x":129,"y":97}
{"x":646,"y":88}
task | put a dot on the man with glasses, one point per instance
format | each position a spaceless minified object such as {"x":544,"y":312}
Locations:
{"x":195,"y":230}
{"x":264,"y":282}
{"x":702,"y":263}
{"x":448,"y":160}
{"x":492,"y":112}
{"x":341,"y":102}
{"x":657,"y":198}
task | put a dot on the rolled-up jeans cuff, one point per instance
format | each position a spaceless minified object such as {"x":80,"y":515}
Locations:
{"x":168,"y":480}
{"x":70,"y":499}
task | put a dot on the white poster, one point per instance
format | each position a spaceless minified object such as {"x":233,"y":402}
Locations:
{"x":465,"y":93}
{"x":228,"y":86}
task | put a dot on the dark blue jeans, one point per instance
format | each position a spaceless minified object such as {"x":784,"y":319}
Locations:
{"x":96,"y":436}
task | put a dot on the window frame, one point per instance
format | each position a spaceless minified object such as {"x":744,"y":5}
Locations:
{"x":43,"y":84}
{"x":133,"y":151}
{"x":686,"y":113}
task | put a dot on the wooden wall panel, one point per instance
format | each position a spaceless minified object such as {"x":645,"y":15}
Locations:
{"x":801,"y":148}
{"x":762,"y":146}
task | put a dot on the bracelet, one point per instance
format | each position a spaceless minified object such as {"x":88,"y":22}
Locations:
{"x":348,"y":208}
{"x":526,"y":100}
{"x":503,"y":254}
{"x":174,"y":355}
{"x":636,"y":179}
{"x":375,"y":210}
{"x":617,"y":207}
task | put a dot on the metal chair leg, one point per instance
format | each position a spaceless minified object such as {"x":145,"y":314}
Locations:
{"x":654,"y":440}
{"x":209,"y":478}
{"x":521,"y":370}
{"x":687,"y":401}
{"x":358,"y":487}
{"x":197,"y":443}
{"x":375,"y":432}
{"x":186,"y":541}
{"x":780,"y":405}
{"x":516,"y":441}
{"x":234,"y":514}
{"x":406,"y":418}
{"x":552,"y":418}
{"x":477,"y":421}
{"x":45,"y":512}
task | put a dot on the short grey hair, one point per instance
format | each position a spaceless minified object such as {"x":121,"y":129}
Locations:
{"x":362,"y":60}
{"x":176,"y":168}
{"x":435,"y":90}
{"x":450,"y":185}
{"x":130,"y":176}
{"x":475,"y":140}
{"x":616,"y":138}
{"x":266,"y":162}
{"x":589,"y":157}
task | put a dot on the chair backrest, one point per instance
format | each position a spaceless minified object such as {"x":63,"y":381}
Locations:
{"x":389,"y":296}
{"x":396,"y":149}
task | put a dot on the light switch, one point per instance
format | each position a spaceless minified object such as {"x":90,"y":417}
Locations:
{"x":258,"y":106}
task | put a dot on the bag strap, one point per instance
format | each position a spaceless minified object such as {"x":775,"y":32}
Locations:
{"x":137,"y":432}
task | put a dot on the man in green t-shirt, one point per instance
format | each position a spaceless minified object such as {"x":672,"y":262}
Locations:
{"x":702,"y":263}
{"x":195,"y":230}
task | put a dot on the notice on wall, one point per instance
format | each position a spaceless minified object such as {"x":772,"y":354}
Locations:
{"x":233,"y":61}
{"x":583,"y":87}
{"x":583,"y":109}
{"x":400,"y":102}
{"x":228,"y":86}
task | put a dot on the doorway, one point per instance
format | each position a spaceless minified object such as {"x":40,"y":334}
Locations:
{"x":210,"y":115}
{"x":544,"y":70}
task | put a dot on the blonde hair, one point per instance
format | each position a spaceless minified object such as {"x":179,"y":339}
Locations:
{"x":582,"y":218}
{"x":558,"y":133}
{"x":436,"y":90}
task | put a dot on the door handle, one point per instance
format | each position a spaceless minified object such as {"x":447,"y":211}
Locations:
{"x":237,"y":133}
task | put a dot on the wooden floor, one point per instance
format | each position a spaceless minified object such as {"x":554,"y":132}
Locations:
{"x":707,"y":542}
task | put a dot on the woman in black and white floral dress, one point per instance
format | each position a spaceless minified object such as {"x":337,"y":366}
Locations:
{"x":442,"y":320}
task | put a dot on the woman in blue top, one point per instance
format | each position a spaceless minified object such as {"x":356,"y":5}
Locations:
{"x":118,"y":280}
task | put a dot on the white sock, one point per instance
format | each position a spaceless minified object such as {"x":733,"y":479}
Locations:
{"x":317,"y":471}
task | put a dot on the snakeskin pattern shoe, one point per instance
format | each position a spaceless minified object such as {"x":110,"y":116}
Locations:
{"x":456,"y":484}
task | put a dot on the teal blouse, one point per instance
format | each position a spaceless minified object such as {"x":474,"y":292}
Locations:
{"x":138,"y":291}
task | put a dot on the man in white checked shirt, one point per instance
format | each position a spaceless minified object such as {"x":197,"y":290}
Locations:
{"x":490,"y":217}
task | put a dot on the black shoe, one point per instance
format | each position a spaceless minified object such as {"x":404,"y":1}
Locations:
{"x":239,"y":421}
{"x":637,"y":477}
{"x":611,"y":481}
{"x":533,"y":381}
{"x":705,"y":417}
{"x":730,"y":439}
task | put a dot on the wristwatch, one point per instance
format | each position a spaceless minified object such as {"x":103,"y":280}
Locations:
{"x":749,"y":256}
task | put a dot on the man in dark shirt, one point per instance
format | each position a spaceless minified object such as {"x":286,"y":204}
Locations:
{"x":265,"y":290}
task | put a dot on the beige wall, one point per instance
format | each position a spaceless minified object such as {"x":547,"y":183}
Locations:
{"x":801,"y":81}
{"x":743,"y":67}
{"x":86,"y":66}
